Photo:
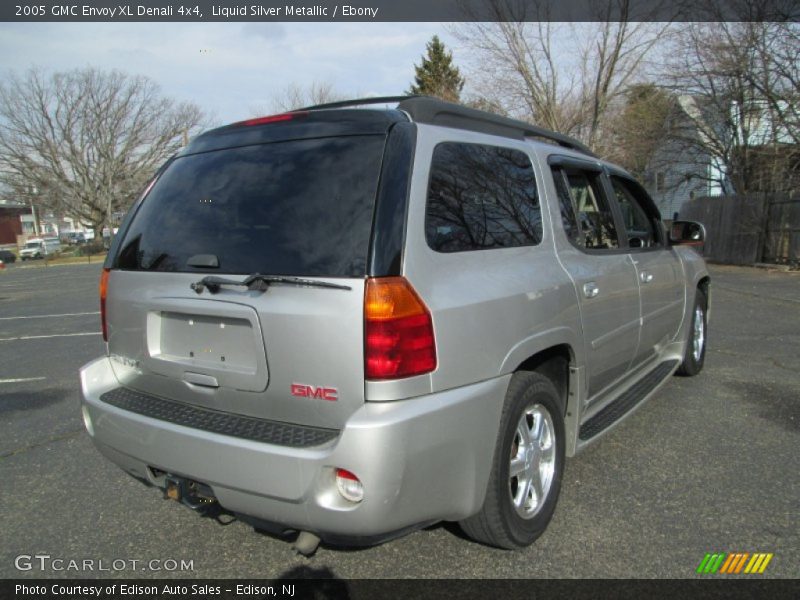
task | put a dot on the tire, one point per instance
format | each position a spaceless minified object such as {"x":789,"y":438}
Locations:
{"x":695,"y":355}
{"x":512,"y":517}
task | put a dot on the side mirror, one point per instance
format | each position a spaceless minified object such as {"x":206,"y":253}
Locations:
{"x":687,"y":233}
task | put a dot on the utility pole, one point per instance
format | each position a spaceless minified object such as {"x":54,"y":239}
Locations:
{"x":34,"y":191}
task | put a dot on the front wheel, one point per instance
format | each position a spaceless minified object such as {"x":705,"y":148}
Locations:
{"x":528,"y":463}
{"x":695,"y":355}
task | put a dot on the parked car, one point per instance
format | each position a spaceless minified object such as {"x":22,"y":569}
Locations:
{"x":7,"y":256}
{"x":75,"y":238}
{"x":351,"y":323}
{"x":39,"y":248}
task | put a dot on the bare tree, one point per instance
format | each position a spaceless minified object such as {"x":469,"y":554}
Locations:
{"x":295,"y":96}
{"x":84,"y":142}
{"x":638,"y":128}
{"x":739,"y":87}
{"x":563,"y":76}
{"x":777,"y":74}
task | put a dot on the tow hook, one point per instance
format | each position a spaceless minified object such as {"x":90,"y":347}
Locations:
{"x":196,"y":496}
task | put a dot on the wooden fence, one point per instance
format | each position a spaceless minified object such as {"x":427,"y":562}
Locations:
{"x":744,"y":230}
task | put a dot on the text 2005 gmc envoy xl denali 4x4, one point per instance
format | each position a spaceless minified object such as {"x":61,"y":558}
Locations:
{"x":354,"y":322}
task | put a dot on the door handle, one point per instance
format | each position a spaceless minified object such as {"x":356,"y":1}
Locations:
{"x":646,"y":276}
{"x":590,"y":290}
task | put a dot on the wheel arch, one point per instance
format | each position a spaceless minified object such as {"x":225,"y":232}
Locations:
{"x":554,"y":363}
{"x":561,"y":363}
{"x":704,"y":285}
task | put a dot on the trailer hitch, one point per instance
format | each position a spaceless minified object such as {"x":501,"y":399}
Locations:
{"x":193,"y":494}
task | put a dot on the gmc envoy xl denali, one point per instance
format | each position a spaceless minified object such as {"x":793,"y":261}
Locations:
{"x":349,"y":321}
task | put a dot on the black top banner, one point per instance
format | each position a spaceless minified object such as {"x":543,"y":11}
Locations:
{"x":400,"y":10}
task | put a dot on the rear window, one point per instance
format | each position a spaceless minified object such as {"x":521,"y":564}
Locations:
{"x":301,"y":207}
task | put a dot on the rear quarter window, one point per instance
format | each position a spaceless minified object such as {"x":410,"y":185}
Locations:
{"x":481,"y":197}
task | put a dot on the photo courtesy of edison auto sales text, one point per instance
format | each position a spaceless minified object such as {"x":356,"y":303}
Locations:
{"x":125,"y":589}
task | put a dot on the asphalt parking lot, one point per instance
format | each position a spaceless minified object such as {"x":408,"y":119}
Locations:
{"x":708,"y":465}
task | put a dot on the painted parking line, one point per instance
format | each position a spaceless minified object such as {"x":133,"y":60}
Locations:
{"x":55,"y":335}
{"x":97,"y":312}
{"x":22,"y":379}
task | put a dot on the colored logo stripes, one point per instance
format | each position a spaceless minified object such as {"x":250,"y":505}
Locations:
{"x":734,"y":563}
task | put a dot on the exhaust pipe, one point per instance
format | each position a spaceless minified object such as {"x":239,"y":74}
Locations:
{"x":306,"y":543}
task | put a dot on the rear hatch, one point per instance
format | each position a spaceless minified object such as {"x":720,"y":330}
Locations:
{"x":290,"y":198}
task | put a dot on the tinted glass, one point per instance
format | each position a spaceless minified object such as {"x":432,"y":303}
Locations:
{"x":300,"y":207}
{"x":481,"y":197}
{"x":594,"y":214}
{"x":639,"y":228}
{"x":568,"y":218}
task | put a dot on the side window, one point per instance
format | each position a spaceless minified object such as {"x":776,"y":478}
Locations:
{"x":481,"y":197}
{"x":567,"y":208}
{"x":639,"y":227}
{"x":595,"y":219}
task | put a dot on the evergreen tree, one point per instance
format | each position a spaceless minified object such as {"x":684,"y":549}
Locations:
{"x":437,"y":76}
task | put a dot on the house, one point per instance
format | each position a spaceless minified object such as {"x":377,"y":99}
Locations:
{"x":703,"y":147}
{"x":680,"y":168}
{"x":10,"y":223}
{"x":17,"y":223}
{"x":50,"y":224}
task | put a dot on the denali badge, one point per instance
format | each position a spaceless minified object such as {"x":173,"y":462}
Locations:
{"x":309,"y":391}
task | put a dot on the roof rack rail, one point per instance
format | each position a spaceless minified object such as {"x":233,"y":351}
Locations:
{"x":425,"y":109}
{"x":356,"y":102}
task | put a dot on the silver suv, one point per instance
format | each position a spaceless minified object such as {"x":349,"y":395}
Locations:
{"x":354,"y":322}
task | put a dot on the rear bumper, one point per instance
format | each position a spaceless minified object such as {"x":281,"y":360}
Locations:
{"x":420,"y":460}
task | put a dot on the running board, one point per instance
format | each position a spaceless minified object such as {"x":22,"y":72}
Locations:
{"x":626,"y":402}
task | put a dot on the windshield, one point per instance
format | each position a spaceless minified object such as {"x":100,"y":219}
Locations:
{"x":33,"y":245}
{"x":301,"y":207}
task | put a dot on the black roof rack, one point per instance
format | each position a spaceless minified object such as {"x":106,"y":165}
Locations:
{"x":356,"y":102}
{"x":424,"y":109}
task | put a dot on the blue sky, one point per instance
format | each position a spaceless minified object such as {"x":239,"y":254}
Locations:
{"x":230,"y":69}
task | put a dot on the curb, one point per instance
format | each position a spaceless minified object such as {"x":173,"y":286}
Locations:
{"x":775,"y":267}
{"x":51,"y":265}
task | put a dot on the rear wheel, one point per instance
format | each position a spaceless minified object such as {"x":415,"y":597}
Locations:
{"x":528,"y":464}
{"x":695,"y":355}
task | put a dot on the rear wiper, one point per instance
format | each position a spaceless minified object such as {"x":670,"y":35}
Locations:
{"x":260,"y":283}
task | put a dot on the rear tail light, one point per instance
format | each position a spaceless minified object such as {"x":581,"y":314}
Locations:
{"x":103,"y":294}
{"x":398,"y":331}
{"x":349,"y":486}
